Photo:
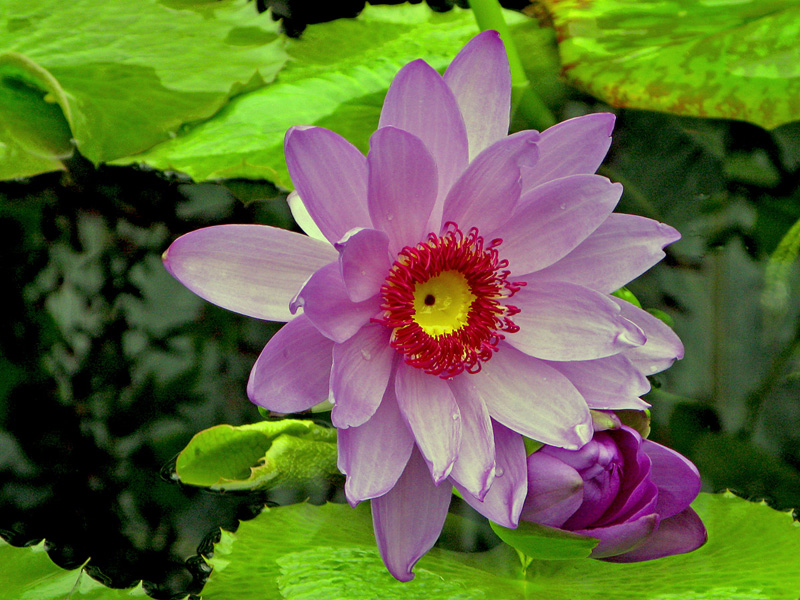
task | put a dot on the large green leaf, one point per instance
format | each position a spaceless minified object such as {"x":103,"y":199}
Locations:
{"x":122,"y":76}
{"x":29,"y":574}
{"x":262,"y":455}
{"x":337,"y":78}
{"x":736,"y":59}
{"x":330,"y":553}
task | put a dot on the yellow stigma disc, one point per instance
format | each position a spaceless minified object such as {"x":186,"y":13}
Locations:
{"x":442,"y":303}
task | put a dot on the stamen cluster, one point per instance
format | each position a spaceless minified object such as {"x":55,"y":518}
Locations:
{"x":488,"y":320}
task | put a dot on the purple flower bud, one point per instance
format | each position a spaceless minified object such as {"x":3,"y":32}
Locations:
{"x":631,"y":494}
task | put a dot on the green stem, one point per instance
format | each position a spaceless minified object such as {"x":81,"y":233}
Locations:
{"x":489,"y":15}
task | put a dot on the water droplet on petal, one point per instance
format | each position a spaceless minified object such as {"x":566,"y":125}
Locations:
{"x":498,"y":472}
{"x":563,"y":207}
{"x":456,"y":416}
{"x":389,"y":217}
{"x":366,"y":354}
{"x":654,"y":368}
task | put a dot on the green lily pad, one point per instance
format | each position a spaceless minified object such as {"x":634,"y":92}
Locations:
{"x":29,"y":574}
{"x":337,"y":78}
{"x":722,"y":58}
{"x":330,"y":553}
{"x":118,"y":77}
{"x":261,"y":456}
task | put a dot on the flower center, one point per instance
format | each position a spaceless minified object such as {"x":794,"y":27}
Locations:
{"x":444,"y":300}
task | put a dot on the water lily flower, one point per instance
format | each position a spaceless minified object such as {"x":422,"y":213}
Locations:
{"x":631,"y":494}
{"x":451,"y":295}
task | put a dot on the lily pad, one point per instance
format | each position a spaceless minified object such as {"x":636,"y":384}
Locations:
{"x":337,"y":78}
{"x":751,"y":555}
{"x":734,"y":59}
{"x":122,"y":76}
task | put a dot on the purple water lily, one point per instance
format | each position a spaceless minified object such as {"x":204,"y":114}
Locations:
{"x":631,"y":494}
{"x":451,"y":296}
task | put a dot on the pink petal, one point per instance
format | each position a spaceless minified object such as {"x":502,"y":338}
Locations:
{"x":503,"y":502}
{"x":402,"y":186}
{"x":486,"y":193}
{"x":330,"y":175}
{"x":610,"y":383}
{"x":616,"y":539}
{"x":302,"y":217}
{"x":677,"y":479}
{"x":564,"y":321}
{"x":620,"y":249}
{"x":530,"y":397}
{"x":663,"y":346}
{"x":474,"y":466}
{"x":374,"y":455}
{"x":480,"y":79}
{"x":419,"y":102}
{"x":364,"y":262}
{"x":409,"y":518}
{"x":682,"y":533}
{"x":325,"y":302}
{"x":292,"y":372}
{"x":572,"y":147}
{"x":552,"y":219}
{"x":431,"y":412}
{"x":555,"y":491}
{"x":250,"y":269}
{"x":361,"y":369}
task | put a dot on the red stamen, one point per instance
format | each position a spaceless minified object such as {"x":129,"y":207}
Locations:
{"x":488,"y":320}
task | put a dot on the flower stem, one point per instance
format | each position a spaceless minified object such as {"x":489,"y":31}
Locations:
{"x":489,"y":15}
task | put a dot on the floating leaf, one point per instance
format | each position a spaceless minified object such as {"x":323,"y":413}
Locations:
{"x":29,"y":574}
{"x":261,"y":455}
{"x":337,"y":78}
{"x":125,"y":75}
{"x":735,"y":59}
{"x":751,"y":555}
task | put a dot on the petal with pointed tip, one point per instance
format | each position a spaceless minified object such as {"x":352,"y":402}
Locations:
{"x":552,"y":219}
{"x":679,"y":534}
{"x":663,"y":346}
{"x":618,"y":251}
{"x":609,"y":383}
{"x":616,"y":539}
{"x":330,"y":175}
{"x":361,"y":369}
{"x":487,"y":192}
{"x":325,"y":302}
{"x":474,"y":466}
{"x":402,"y":186}
{"x":254,"y":270}
{"x":409,"y":518}
{"x":480,"y":79}
{"x":503,"y":502}
{"x":532,"y":398}
{"x":564,"y":321}
{"x":364,"y":262}
{"x":292,"y":372}
{"x":431,"y":412}
{"x":676,"y":477}
{"x":421,"y":103}
{"x":374,"y":455}
{"x":302,"y":217}
{"x":571,"y":147}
